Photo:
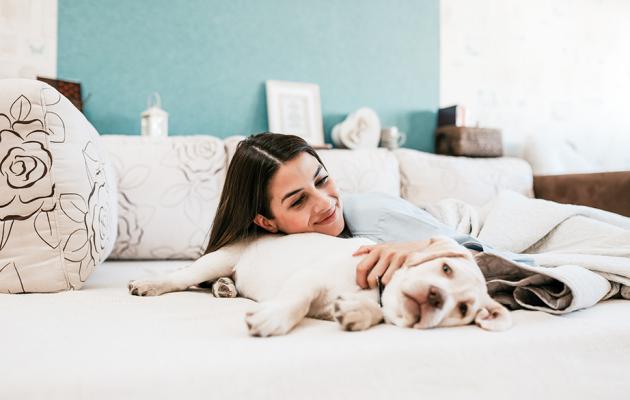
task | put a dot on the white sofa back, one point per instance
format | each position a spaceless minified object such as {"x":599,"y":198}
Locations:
{"x":362,"y":171}
{"x":169,"y":187}
{"x":428,"y":178}
{"x":168,"y":192}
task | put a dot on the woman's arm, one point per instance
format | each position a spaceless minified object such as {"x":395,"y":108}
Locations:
{"x":382,"y":260}
{"x":400,"y":227}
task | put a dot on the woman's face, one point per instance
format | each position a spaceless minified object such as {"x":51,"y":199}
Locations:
{"x":303,"y":199}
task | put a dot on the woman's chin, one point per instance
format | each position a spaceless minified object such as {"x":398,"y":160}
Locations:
{"x":338,"y":229}
{"x":333,"y":229}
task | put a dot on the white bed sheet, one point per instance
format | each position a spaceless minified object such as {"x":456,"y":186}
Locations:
{"x":101,"y":343}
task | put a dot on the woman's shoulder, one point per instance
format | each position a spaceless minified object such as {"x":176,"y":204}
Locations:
{"x":383,"y":218}
{"x":365,"y":213}
{"x":361,"y":202}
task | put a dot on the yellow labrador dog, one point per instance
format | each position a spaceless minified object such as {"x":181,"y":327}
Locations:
{"x":313,"y":275}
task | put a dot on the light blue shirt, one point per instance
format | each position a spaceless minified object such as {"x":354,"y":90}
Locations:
{"x":385,"y":218}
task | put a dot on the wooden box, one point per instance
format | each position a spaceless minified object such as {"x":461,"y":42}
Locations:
{"x":469,"y":142}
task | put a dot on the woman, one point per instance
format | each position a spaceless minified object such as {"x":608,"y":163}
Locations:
{"x":278,"y":183}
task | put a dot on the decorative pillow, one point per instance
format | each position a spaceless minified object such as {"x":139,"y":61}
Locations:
{"x":57,"y":191}
{"x":168,"y":192}
{"x":427,"y":178}
{"x":230,"y":144}
{"x":361,"y":171}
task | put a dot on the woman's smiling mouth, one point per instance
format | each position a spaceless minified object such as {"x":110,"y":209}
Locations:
{"x":329,"y":218}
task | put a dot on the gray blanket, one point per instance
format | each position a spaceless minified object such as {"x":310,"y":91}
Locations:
{"x":582,"y":254}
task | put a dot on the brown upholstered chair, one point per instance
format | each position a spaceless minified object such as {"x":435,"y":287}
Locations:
{"x":608,"y":191}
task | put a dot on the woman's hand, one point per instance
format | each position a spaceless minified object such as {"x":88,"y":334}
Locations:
{"x":382,"y":260}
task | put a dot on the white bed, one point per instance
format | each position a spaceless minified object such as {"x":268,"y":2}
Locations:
{"x":101,"y":343}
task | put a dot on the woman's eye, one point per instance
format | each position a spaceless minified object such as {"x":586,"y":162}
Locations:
{"x":463,"y":309}
{"x":447,"y":270}
{"x":321,"y":181}
{"x":297,"y":202}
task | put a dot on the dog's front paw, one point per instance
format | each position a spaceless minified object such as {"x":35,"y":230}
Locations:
{"x":269,"y":319}
{"x":224,"y":287}
{"x":150,"y":288}
{"x":352,"y":313}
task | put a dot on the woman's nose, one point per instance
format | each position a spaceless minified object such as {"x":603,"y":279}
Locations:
{"x":322,"y":201}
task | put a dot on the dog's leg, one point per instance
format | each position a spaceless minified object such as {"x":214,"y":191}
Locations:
{"x":282,"y":313}
{"x":207,"y":268}
{"x":357,"y":311}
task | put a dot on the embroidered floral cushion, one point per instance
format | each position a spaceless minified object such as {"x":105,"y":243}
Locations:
{"x":169,"y":189}
{"x":428,"y":178}
{"x":57,"y":191}
{"x":363,"y":170}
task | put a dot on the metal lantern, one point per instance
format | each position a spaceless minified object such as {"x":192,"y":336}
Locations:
{"x":154,"y":120}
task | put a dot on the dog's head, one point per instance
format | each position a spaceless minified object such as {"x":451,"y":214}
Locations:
{"x":441,"y":285}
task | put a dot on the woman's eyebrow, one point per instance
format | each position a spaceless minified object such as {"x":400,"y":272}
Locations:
{"x":286,"y":196}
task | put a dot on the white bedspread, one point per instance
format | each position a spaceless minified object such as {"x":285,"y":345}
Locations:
{"x":101,"y":343}
{"x":582,"y":253}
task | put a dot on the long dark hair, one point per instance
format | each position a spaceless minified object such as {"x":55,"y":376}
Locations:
{"x":245,"y":191}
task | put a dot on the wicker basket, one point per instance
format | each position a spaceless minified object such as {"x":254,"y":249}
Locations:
{"x":470,"y":142}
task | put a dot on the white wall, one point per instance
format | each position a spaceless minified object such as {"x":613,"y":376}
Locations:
{"x":28,"y":38}
{"x":554,"y":68}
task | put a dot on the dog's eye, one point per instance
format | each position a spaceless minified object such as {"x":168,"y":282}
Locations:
{"x":463,"y":309}
{"x":447,"y":270}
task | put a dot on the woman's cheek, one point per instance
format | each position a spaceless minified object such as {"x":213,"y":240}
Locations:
{"x":297,"y":223}
{"x":303,"y":225}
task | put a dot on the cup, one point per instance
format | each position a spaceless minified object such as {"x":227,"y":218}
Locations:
{"x":392,"y":138}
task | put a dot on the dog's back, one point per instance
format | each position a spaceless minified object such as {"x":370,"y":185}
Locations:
{"x":270,"y":261}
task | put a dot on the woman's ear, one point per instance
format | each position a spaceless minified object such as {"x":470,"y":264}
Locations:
{"x":266,"y":223}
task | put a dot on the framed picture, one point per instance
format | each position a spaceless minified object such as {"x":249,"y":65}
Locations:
{"x":295,"y":108}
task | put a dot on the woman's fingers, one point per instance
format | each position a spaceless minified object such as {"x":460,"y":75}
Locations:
{"x":364,"y":267}
{"x":394,"y":266}
{"x":378,"y":270}
{"x":363,"y":250}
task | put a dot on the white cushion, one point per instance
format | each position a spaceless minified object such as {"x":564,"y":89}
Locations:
{"x":427,"y":178}
{"x":362,"y":171}
{"x":169,"y":189}
{"x":554,"y":155}
{"x":57,"y":191}
{"x":230,"y":143}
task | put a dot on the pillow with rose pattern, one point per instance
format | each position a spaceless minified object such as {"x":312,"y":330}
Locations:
{"x":57,"y":191}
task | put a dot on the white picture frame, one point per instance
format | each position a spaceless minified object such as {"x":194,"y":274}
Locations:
{"x":295,"y":108}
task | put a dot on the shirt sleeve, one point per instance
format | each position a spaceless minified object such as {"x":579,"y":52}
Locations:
{"x":385,"y":218}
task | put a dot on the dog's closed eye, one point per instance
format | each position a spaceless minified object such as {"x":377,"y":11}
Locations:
{"x":463,"y":309}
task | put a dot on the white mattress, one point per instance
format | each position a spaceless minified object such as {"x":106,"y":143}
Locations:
{"x":101,"y":343}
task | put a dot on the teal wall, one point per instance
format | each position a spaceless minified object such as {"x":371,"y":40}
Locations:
{"x":209,"y":59}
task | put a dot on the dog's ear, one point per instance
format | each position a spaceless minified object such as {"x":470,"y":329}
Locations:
{"x":492,"y":316}
{"x":438,"y":247}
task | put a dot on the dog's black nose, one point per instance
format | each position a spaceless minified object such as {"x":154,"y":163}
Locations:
{"x":435,"y":297}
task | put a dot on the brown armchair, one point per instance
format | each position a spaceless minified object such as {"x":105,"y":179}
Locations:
{"x":608,"y":191}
